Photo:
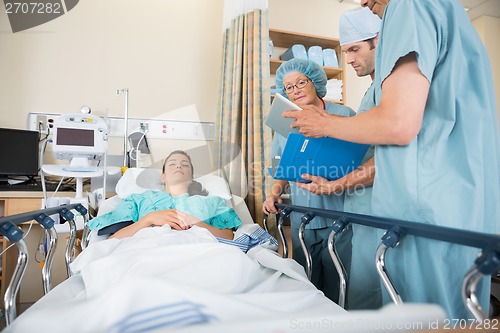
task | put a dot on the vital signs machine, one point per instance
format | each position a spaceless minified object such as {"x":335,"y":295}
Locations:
{"x":82,"y":139}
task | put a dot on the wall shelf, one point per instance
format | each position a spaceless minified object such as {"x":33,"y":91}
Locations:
{"x":286,"y":39}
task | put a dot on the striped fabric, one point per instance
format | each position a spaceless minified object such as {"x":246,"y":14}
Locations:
{"x":245,"y":100}
{"x":169,"y":316}
{"x":252,"y":238}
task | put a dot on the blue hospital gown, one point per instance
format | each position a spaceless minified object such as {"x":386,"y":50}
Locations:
{"x":449,"y":175}
{"x":324,"y":276}
{"x":209,"y":209}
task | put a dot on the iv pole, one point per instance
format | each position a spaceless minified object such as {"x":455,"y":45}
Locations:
{"x":125,"y":131}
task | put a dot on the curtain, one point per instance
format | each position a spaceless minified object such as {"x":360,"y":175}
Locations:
{"x":244,"y":140}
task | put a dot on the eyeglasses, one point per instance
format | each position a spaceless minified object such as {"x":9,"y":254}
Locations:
{"x":299,"y":85}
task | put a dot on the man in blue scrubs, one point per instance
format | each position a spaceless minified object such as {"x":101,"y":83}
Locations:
{"x":437,"y":140}
{"x":358,"y":31}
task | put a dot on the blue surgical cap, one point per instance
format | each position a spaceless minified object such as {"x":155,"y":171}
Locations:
{"x":305,"y":66}
{"x":358,"y":25}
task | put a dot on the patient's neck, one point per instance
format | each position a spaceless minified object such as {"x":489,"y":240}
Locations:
{"x":176,"y":190}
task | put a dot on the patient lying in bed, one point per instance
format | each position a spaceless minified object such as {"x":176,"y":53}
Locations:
{"x":183,"y":204}
{"x":181,"y":275}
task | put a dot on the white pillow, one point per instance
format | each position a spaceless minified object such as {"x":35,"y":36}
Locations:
{"x":215,"y":185}
{"x":131,"y":183}
{"x":138,"y":180}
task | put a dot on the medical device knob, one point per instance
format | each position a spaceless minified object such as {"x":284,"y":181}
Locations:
{"x":11,"y":231}
{"x":46,"y":221}
{"x":393,"y":236}
{"x":85,"y":109}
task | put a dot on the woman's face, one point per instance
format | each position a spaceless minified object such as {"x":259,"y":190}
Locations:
{"x":177,"y":170}
{"x":303,"y":96}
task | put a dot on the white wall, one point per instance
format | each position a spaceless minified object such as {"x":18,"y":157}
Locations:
{"x":168,"y":54}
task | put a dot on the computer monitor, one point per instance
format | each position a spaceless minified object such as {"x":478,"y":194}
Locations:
{"x":20,"y":153}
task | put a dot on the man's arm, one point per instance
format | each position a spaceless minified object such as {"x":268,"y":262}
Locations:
{"x":396,"y":120}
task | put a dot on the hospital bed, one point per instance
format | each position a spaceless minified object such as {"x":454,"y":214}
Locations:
{"x":193,"y":283}
{"x":487,"y":263}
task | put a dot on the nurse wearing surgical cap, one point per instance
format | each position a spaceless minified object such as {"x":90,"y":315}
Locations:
{"x":437,"y":140}
{"x":304,"y":82}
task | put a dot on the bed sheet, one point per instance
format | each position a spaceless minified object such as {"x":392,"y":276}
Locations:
{"x":165,"y":279}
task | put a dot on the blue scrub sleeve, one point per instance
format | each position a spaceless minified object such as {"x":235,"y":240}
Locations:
{"x":404,"y":30}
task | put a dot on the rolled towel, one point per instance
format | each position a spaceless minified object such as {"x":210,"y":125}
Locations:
{"x":296,"y":51}
{"x":330,"y":58}
{"x":315,"y":53}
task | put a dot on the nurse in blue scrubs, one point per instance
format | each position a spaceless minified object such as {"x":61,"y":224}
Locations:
{"x":437,"y":140}
{"x":304,"y":83}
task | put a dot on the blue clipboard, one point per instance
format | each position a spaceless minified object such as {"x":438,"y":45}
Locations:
{"x":325,"y":157}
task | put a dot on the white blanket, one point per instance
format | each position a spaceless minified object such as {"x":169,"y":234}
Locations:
{"x":166,"y":279}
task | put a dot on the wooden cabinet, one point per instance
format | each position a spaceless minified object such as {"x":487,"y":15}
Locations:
{"x":19,"y":202}
{"x":12,"y":203}
{"x":9,"y":260}
{"x":286,"y":39}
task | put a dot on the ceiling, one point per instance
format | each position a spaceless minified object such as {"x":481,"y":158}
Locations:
{"x":477,"y":8}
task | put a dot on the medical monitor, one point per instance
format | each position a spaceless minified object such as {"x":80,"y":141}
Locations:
{"x":20,"y":153}
{"x":79,"y":136}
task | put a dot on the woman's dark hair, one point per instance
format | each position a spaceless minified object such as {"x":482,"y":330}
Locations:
{"x":195,"y":188}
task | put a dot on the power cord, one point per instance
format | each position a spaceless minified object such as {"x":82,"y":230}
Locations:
{"x":25,"y":235}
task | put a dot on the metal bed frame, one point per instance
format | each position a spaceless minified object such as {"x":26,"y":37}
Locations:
{"x":487,"y":262}
{"x":9,"y":228}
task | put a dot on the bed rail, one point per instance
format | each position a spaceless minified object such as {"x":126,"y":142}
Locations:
{"x":487,"y":262}
{"x":9,"y":228}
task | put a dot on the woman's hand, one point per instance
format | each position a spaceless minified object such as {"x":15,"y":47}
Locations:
{"x":268,"y":206}
{"x":176,"y":219}
{"x":320,"y":185}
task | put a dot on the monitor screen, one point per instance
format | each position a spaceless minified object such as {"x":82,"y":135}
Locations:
{"x":75,"y":137}
{"x":20,"y":153}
